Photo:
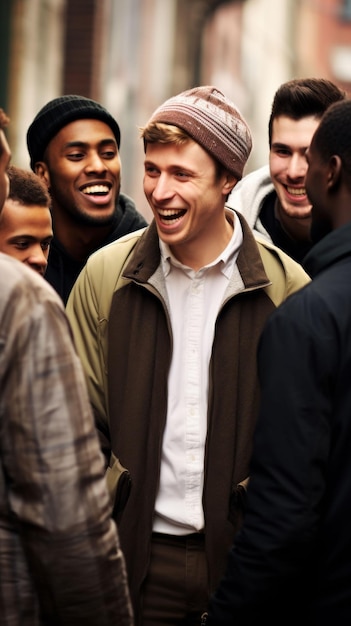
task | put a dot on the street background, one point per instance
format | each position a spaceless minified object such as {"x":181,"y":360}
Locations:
{"x":131,"y":55}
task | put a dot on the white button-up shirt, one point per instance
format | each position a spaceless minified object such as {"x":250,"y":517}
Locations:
{"x":195,"y":299}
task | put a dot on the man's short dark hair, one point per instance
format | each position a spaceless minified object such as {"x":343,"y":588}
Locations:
{"x":27,"y":188}
{"x":303,"y":97}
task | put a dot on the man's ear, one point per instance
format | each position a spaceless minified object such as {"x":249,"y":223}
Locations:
{"x":334,"y":171}
{"x":229,"y":182}
{"x":42,"y":171}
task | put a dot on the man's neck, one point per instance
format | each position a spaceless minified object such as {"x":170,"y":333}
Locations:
{"x":80,"y":241}
{"x":207,"y":250}
{"x":297,"y":229}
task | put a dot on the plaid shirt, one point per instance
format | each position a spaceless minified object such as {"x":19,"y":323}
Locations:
{"x":60,"y":561}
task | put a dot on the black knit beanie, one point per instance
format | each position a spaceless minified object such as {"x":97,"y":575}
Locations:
{"x":58,"y":113}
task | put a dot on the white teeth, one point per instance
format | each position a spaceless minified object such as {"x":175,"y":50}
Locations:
{"x":169,"y":215}
{"x":96,"y":189}
{"x":297,"y":192}
{"x":168,"y":212}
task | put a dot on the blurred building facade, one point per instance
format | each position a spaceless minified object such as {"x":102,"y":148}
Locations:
{"x":133,"y":54}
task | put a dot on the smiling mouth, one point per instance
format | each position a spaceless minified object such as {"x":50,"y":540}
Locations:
{"x":96,"y":190}
{"x":301,"y":191}
{"x":170,"y":215}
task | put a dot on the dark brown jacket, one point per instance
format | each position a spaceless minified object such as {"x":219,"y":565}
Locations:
{"x":123,"y":334}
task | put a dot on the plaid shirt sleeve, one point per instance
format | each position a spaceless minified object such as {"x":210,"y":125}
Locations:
{"x":59,"y":548}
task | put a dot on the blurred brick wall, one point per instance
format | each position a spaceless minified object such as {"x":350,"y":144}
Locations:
{"x":79,"y":47}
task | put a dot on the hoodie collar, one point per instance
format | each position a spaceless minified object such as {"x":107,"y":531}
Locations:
{"x":333,"y":247}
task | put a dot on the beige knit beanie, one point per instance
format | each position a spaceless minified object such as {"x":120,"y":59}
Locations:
{"x":211,"y":120}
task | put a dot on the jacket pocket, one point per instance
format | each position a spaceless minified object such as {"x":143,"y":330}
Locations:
{"x":119,"y":484}
{"x":238,"y":503}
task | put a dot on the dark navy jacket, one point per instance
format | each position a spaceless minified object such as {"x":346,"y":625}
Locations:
{"x":291,"y":562}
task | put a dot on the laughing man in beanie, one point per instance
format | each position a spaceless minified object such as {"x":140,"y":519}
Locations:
{"x":73,"y":143}
{"x":166,"y":323}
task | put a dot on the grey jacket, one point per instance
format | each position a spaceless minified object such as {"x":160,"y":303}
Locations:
{"x":248,"y":196}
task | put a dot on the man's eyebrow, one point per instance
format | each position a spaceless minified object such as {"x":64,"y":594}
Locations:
{"x":279,"y":144}
{"x":22,"y":236}
{"x":86,"y":144}
{"x":285,"y":146}
{"x":73,"y":144}
{"x":25,"y":237}
{"x":171,"y":168}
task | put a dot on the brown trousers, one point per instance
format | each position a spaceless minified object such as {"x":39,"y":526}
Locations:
{"x":176,"y":587}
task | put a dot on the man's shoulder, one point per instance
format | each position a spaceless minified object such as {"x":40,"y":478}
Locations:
{"x":269,"y":250}
{"x":13,"y":273}
{"x":286,"y":275}
{"x":104,"y":267}
{"x":102,"y":276}
{"x":22,"y":287}
{"x":115,"y":249}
